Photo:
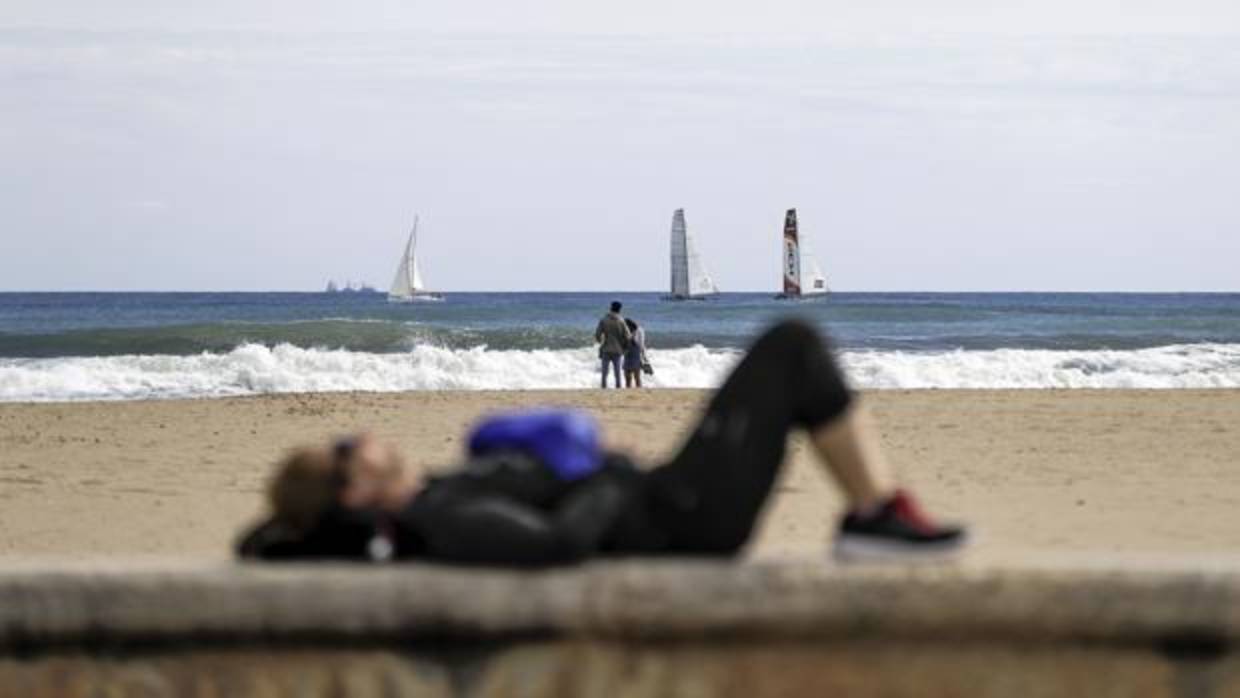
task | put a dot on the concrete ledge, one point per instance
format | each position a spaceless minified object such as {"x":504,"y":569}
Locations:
{"x":635,"y":628}
{"x":635,"y":599}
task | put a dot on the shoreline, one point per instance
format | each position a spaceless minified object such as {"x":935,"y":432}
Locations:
{"x":1036,"y":471}
{"x":574,"y":392}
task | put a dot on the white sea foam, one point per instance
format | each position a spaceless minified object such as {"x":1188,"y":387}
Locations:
{"x":1180,"y":366}
{"x":256,"y":369}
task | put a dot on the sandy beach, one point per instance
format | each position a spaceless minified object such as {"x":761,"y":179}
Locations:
{"x":1107,"y":472}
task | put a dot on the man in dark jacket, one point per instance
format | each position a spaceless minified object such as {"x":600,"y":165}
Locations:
{"x":358,"y":500}
{"x":613,"y":336}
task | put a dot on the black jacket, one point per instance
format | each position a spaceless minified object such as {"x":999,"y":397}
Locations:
{"x":503,"y":509}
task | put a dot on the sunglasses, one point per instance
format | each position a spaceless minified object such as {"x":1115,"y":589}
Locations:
{"x":342,"y":453}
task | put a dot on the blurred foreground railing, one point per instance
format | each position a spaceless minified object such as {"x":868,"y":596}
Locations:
{"x":633,"y":628}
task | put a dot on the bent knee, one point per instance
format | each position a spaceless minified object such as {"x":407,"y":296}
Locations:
{"x":792,"y":333}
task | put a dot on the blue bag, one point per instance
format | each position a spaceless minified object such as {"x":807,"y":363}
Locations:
{"x":567,"y":441}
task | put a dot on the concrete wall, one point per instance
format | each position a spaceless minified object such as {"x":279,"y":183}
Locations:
{"x":669,"y":628}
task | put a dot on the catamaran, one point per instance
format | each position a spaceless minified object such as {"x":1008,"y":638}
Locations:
{"x":690,"y":280}
{"x":803,"y":278}
{"x":408,"y":285}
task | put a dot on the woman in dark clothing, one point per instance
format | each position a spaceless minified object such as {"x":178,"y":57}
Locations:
{"x":359,"y":501}
{"x":634,"y":355}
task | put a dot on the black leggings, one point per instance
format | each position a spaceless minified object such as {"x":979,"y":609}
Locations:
{"x":707,"y":499}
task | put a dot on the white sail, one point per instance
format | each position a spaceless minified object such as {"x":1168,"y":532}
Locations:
{"x":680,"y":259}
{"x":700,"y":281}
{"x":815,"y":281}
{"x":689,"y":277}
{"x":408,"y":284}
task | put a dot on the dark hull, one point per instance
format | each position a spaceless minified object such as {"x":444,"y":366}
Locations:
{"x":800,"y":297}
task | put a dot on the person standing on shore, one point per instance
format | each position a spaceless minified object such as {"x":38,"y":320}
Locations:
{"x":613,"y":337}
{"x":635,"y":355}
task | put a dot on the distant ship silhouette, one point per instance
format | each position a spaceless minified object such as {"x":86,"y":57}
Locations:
{"x":349,"y":287}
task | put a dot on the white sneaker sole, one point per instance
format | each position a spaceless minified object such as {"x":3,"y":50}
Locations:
{"x":861,"y":549}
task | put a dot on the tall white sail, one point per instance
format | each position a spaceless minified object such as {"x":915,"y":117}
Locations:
{"x":408,"y":285}
{"x":680,"y":257}
{"x":689,"y":277}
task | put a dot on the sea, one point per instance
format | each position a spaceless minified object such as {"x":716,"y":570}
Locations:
{"x":133,"y":346}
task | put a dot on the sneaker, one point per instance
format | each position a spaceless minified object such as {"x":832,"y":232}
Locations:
{"x":898,"y":531}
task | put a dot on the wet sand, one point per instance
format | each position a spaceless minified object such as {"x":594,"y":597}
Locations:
{"x":1082,"y":473}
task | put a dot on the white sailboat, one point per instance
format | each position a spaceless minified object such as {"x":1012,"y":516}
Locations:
{"x":803,"y":278}
{"x":408,"y":286}
{"x":690,"y":280}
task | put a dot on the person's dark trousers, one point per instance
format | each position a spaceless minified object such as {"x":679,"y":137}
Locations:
{"x":708,"y":497}
{"x":612,"y":360}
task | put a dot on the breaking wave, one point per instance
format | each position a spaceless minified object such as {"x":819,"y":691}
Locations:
{"x":257,"y":369}
{"x":253,"y":369}
{"x":1179,"y":366}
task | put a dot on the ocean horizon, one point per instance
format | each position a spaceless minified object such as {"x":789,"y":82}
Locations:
{"x":66,"y":346}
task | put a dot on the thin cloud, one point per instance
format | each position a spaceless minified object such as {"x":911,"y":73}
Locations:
{"x":560,"y":144}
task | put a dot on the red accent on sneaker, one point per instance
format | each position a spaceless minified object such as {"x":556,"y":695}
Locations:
{"x":906,"y":507}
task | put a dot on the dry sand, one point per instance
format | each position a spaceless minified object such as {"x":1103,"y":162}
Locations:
{"x":1095,"y":474}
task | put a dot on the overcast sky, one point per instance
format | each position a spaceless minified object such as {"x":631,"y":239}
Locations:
{"x":927,"y":145}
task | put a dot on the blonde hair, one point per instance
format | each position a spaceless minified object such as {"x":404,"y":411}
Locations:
{"x":305,"y":486}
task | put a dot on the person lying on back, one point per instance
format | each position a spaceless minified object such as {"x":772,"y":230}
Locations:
{"x":537,"y":491}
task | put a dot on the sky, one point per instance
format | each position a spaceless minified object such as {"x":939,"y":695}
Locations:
{"x":949,"y":146}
